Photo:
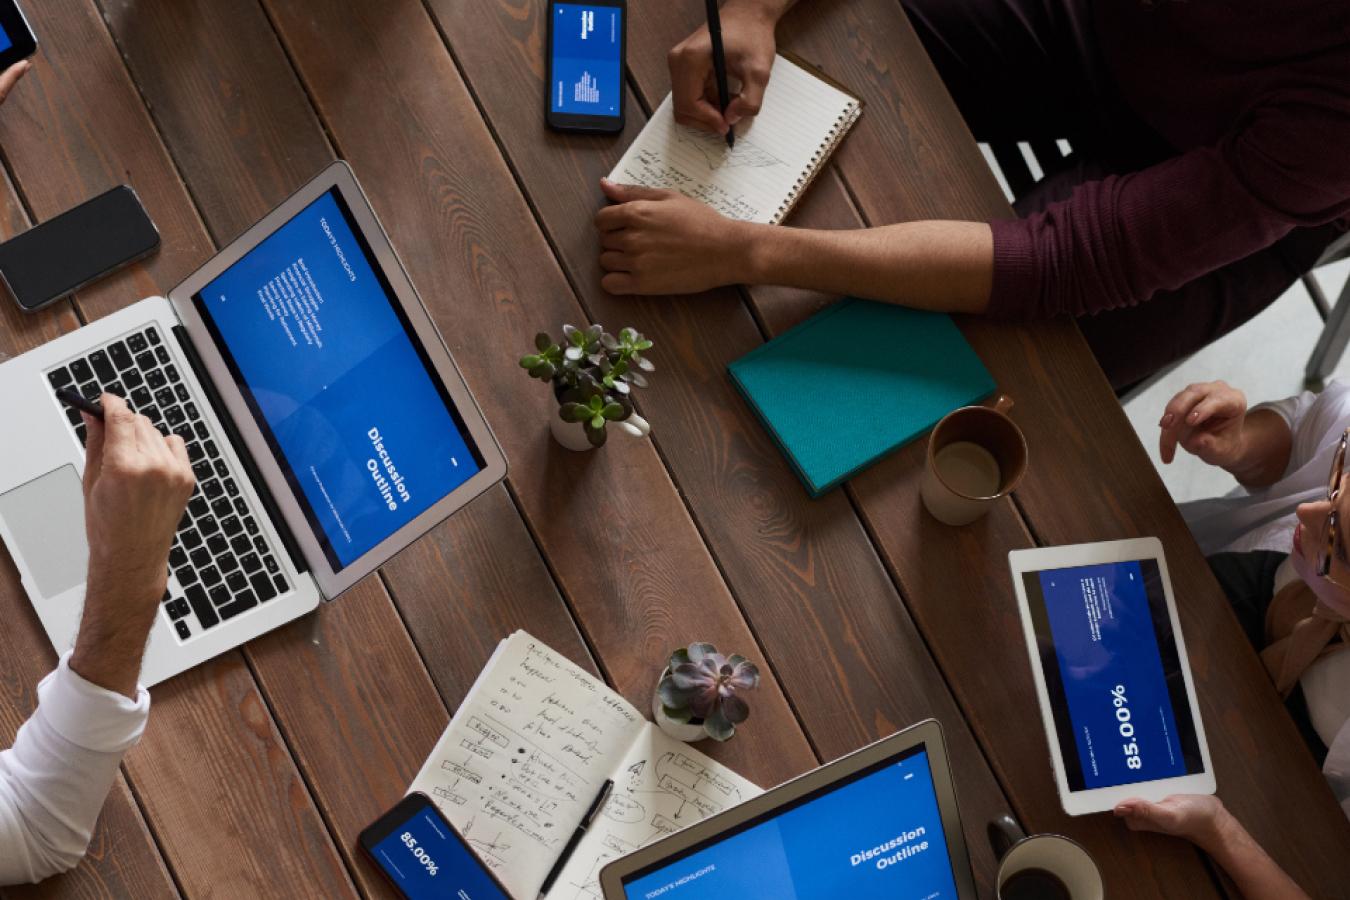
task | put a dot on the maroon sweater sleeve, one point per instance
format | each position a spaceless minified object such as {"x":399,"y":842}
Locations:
{"x":1116,"y":242}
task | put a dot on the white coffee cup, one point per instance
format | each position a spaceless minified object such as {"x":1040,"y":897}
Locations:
{"x":1062,"y":859}
{"x":976,"y":455}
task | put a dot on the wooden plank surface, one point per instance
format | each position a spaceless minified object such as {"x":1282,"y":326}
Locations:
{"x":261,"y":767}
{"x":212,"y":762}
{"x":809,"y":581}
{"x":627,"y":556}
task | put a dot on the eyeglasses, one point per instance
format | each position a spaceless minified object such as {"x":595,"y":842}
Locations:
{"x":1333,"y":542}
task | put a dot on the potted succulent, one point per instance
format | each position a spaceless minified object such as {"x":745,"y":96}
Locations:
{"x":593,"y":374}
{"x":700,"y":694}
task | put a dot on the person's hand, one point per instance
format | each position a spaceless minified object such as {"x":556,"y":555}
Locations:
{"x":136,"y":484}
{"x":662,"y":242}
{"x":1206,"y":420}
{"x":11,"y":76}
{"x":1199,"y":818}
{"x":748,"y":43}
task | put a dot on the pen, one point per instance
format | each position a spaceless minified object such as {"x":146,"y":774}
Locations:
{"x":605,"y":790}
{"x":73,"y":398}
{"x":720,"y":64}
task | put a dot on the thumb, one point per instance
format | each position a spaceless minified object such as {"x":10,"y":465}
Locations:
{"x":11,"y":76}
{"x":93,"y":451}
{"x":627,"y":193}
{"x":1138,"y":814}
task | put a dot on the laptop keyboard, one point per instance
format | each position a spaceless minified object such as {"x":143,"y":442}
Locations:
{"x":221,"y":563}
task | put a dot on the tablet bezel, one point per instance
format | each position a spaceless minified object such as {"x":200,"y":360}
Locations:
{"x":331,"y":581}
{"x":1093,"y":800}
{"x":927,"y":733}
{"x":23,"y":39}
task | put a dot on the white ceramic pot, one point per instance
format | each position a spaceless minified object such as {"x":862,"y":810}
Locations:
{"x":680,"y":731}
{"x":572,"y":435}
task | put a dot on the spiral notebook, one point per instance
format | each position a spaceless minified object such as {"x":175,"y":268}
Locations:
{"x":777,"y":154}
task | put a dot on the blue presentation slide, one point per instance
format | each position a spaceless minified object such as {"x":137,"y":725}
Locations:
{"x":1115,"y":685}
{"x":877,"y":838}
{"x":369,"y":439}
{"x":587,"y":41}
{"x":429,"y":863}
{"x":5,"y":42}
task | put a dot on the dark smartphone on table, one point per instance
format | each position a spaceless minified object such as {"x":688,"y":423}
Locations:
{"x":63,"y":254}
{"x":17,"y":40}
{"x":587,"y":56}
{"x":425,"y":857}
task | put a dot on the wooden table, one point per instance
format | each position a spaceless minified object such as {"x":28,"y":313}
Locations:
{"x":259,"y":769}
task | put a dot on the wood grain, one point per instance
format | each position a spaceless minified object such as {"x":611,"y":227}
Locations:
{"x":77,"y":128}
{"x":812,"y":586}
{"x":611,"y":524}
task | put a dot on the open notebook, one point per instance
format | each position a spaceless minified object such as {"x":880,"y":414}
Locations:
{"x":528,"y":751}
{"x":777,"y":154}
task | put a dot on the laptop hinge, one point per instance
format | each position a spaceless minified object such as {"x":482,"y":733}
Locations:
{"x":213,"y":397}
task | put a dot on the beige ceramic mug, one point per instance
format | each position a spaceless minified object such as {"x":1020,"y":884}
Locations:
{"x":975,"y":456}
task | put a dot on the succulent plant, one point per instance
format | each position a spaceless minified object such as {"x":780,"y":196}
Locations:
{"x":593,"y":374}
{"x":703,"y":686}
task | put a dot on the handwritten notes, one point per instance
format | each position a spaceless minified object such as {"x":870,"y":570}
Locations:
{"x":525,"y":756}
{"x":527,"y":753}
{"x":660,"y":786}
{"x":776,"y":155}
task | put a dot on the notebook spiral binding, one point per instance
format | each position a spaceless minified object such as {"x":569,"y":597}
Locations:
{"x":822,"y":155}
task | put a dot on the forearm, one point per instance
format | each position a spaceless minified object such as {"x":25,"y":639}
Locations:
{"x":119,"y":610}
{"x":1267,"y":443}
{"x":774,"y":9}
{"x":944,"y":266}
{"x":1251,"y":868}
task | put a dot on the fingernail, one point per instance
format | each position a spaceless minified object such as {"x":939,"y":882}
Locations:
{"x":733,"y":118}
{"x":606,"y":181}
{"x":1167,"y":420}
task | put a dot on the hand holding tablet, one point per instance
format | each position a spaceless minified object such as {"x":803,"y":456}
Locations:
{"x":1111,"y":673}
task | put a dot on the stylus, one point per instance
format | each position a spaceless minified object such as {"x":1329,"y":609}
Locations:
{"x":605,"y":790}
{"x":720,"y":64}
{"x":73,"y":398}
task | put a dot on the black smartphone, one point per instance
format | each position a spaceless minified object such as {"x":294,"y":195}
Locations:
{"x":62,"y":255}
{"x":587,"y":55}
{"x":425,"y":858}
{"x":17,"y":41}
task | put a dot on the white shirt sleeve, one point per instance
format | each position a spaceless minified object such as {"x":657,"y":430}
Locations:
{"x":53,"y":781}
{"x":1314,"y":420}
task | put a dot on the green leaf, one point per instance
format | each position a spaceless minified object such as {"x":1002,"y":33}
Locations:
{"x":646,"y":364}
{"x":678,"y":714}
{"x":596,"y":436}
{"x":735,"y":709}
{"x":698,"y":651}
{"x":542,"y":342}
{"x":628,"y":335}
{"x":574,"y":353}
{"x":717,"y":725}
{"x":544,"y":371}
{"x":598,"y":423}
{"x":607,"y":340}
{"x":613,"y":412}
{"x":530,"y":361}
{"x":645,"y":345}
{"x":672,"y":696}
{"x":574,"y":412}
{"x":679,"y":657}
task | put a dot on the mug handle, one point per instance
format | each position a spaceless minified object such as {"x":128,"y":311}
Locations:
{"x":1004,"y":832}
{"x":1003,"y":404}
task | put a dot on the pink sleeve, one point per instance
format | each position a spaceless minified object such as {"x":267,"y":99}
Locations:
{"x":1116,"y":242}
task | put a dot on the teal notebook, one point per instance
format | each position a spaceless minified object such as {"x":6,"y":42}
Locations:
{"x":856,"y":381}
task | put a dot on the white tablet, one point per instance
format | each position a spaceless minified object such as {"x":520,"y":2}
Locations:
{"x":1111,"y":673}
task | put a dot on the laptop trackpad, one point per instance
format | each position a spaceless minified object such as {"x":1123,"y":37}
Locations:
{"x":45,"y":518}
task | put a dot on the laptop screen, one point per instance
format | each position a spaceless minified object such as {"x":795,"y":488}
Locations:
{"x":877,"y":834}
{"x":338,"y":381}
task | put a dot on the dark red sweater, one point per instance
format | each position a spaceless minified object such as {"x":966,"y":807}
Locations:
{"x":1255,"y":97}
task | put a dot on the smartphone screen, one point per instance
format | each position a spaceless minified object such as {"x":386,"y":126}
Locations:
{"x":586,"y":66}
{"x":63,"y":254}
{"x":17,"y":40}
{"x":425,"y":857}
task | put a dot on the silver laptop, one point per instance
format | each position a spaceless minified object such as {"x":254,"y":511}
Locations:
{"x":877,"y":824}
{"x":326,"y":423}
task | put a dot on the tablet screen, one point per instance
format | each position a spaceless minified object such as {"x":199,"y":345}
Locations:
{"x":1109,"y":657}
{"x":337,"y":380}
{"x":875,"y":834}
